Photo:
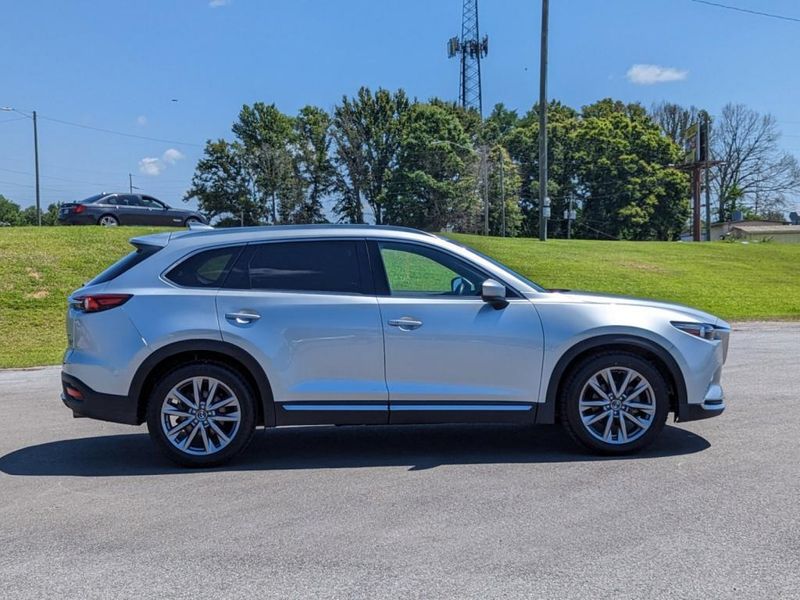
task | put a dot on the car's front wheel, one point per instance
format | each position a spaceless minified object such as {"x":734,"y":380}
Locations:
{"x":615,"y":403}
{"x":201,"y":414}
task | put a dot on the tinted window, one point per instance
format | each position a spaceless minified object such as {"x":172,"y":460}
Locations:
{"x":205,"y":269}
{"x":318,"y":266}
{"x":92,"y":199}
{"x":151,"y":202}
{"x":418,"y":270}
{"x":125,"y":264}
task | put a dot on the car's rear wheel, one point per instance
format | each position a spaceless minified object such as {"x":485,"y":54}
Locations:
{"x":108,"y":221}
{"x":615,"y":403}
{"x":202,"y":414}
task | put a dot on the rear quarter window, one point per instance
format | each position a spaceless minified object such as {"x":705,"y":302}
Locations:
{"x":207,"y":269}
{"x":126,"y":263}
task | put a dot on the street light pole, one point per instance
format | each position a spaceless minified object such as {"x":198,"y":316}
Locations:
{"x":543,"y":125}
{"x":35,"y":157}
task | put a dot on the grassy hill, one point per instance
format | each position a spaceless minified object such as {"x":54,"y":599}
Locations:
{"x":39,"y":268}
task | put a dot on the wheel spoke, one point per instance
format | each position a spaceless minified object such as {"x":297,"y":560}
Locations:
{"x":593,"y":403}
{"x":204,"y":437}
{"x":648,"y":408}
{"x":607,"y":431}
{"x":595,"y":385}
{"x":197,"y":385}
{"x":610,"y":379}
{"x":212,"y":390}
{"x":176,"y":413}
{"x":174,"y":431}
{"x":623,"y":431}
{"x":187,"y":442}
{"x":639,"y":422}
{"x":222,"y":437}
{"x":181,"y":398}
{"x":626,"y":382}
{"x":222,"y":403}
{"x":230,"y":417}
{"x":639,"y":389}
{"x":593,"y":418}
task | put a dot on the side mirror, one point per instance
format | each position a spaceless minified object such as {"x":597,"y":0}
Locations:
{"x":494,"y":293}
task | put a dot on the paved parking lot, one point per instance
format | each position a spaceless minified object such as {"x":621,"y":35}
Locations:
{"x":89,"y":510}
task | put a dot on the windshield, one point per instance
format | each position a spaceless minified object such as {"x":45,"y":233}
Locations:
{"x":497,"y":264}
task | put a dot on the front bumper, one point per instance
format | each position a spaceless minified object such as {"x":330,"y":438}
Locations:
{"x":85,"y":402}
{"x":713,"y":404}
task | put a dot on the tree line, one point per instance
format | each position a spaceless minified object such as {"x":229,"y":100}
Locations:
{"x":380,"y":157}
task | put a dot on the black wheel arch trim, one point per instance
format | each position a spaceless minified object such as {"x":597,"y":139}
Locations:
{"x":264,"y":390}
{"x":546,"y":411}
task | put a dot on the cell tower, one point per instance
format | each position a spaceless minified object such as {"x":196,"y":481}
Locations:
{"x":471,"y":49}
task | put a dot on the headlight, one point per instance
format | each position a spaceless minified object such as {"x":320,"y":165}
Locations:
{"x":701,"y":330}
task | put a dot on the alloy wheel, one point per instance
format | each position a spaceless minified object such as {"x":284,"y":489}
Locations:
{"x":617,"y":405}
{"x":200,"y":416}
{"x":108,"y":221}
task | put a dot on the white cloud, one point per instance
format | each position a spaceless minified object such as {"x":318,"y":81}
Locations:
{"x":172,"y":156}
{"x":141,"y":120}
{"x":650,"y":74}
{"x":153,"y":166}
{"x":218,"y":3}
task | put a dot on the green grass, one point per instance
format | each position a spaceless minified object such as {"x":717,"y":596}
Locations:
{"x":39,"y":268}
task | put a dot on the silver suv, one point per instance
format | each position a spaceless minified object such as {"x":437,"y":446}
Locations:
{"x":206,"y":335}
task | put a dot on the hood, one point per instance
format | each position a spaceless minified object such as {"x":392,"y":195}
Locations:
{"x":614,"y":299}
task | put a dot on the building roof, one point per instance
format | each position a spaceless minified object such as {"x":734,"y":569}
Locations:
{"x":767,"y":229}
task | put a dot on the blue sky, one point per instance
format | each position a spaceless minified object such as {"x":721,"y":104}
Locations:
{"x":118,"y":64}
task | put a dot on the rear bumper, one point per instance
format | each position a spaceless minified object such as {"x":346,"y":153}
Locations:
{"x":713,"y":404}
{"x":85,"y":402}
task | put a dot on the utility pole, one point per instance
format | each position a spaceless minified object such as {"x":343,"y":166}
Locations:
{"x":130,"y":183}
{"x":708,"y":178}
{"x":36,"y":165}
{"x":502,"y":195}
{"x":569,"y":215}
{"x":485,"y":161}
{"x":543,"y":200}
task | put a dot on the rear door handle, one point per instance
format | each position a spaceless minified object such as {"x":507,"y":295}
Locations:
{"x":405,"y":323}
{"x":242,"y":318}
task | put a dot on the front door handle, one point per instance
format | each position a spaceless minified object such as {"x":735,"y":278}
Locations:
{"x":405,"y":323}
{"x":242,"y":318}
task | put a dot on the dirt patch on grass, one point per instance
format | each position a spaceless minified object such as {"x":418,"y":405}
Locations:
{"x":642,"y":267}
{"x":34,"y":274}
{"x":38,"y":294}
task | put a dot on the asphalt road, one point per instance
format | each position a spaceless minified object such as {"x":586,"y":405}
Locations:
{"x":89,"y":510}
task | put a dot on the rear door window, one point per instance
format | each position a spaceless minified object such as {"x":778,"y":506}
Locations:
{"x":335,"y":266}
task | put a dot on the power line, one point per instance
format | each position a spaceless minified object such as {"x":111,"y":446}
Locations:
{"x":15,"y":119}
{"x":121,"y":133}
{"x":748,"y":11}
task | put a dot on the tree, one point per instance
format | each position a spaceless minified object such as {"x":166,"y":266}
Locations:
{"x":9,"y":212}
{"x":755,"y":172}
{"x":504,"y":187}
{"x":367,"y":132}
{"x":313,"y":166}
{"x":266,"y":136}
{"x":675,"y":120}
{"x":522,"y":142}
{"x":225,"y":187}
{"x":433,"y":186}
{"x":627,"y":187}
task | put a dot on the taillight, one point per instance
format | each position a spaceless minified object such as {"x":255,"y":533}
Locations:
{"x":100,"y":302}
{"x":79,"y":209}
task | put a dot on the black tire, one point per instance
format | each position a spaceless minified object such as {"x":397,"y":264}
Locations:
{"x":230,"y":378}
{"x":578,"y":379}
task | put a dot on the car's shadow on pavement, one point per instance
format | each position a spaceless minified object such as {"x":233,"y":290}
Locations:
{"x":417,"y":447}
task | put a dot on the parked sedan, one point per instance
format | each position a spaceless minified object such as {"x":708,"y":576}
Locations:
{"x":111,"y":210}
{"x":205,"y":335}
